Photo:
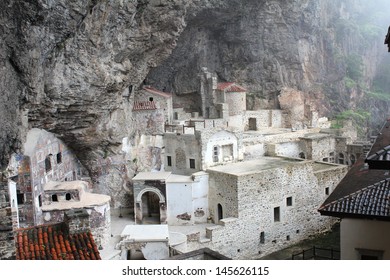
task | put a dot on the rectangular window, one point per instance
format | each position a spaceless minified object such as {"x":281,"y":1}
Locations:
{"x":59,"y":157}
{"x":327,"y":190}
{"x":277,"y":214}
{"x":289,"y":201}
{"x":192,"y":163}
{"x":20,"y":197}
{"x":169,"y":160}
{"x":215,"y":154}
{"x":262,"y":237}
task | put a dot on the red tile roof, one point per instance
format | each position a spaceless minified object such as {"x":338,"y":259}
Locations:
{"x":156,"y":91}
{"x":144,"y":105}
{"x":51,"y":242}
{"x":230,"y":87}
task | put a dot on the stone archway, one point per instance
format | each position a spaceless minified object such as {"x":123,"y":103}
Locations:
{"x":150,"y":206}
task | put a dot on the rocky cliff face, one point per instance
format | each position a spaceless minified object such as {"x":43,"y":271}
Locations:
{"x":269,"y":45}
{"x":65,"y":64}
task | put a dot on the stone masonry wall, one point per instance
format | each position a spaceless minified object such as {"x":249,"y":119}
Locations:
{"x":7,"y":241}
{"x":176,"y":145}
{"x":223,"y":191}
{"x":298,"y":191}
{"x":236,"y":102}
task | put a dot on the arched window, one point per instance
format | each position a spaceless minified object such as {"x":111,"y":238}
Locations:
{"x":220,"y":212}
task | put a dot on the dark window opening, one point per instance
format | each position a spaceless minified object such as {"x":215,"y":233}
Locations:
{"x":341,"y":158}
{"x":302,"y":155}
{"x":54,"y":198}
{"x":262,"y":237}
{"x":288,"y":237}
{"x":150,"y":98}
{"x":169,"y":160}
{"x":327,"y":190}
{"x":40,"y":200}
{"x":20,"y":197}
{"x":252,"y":124}
{"x":220,"y":213}
{"x":176,"y":115}
{"x":277,"y":214}
{"x":59,"y":157}
{"x":68,"y":196}
{"x":353,"y":159}
{"x":215,"y":154}
{"x":289,"y":201}
{"x":192,"y":163}
{"x":48,"y":163}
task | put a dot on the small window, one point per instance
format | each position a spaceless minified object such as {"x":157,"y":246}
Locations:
{"x":40,"y":200}
{"x":277,"y":214}
{"x":20,"y":197}
{"x":59,"y":157}
{"x":215,"y":154}
{"x":176,"y":115}
{"x":48,"y":163}
{"x":341,"y":158}
{"x":169,"y":160}
{"x":327,"y":190}
{"x":54,"y":198}
{"x":262,"y":237}
{"x":68,"y":196}
{"x":353,"y":159}
{"x":288,"y":237}
{"x":289,"y":201}
{"x":192,"y":163}
{"x":150,"y":98}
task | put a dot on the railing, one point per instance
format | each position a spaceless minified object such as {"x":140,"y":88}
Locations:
{"x":316,"y":253}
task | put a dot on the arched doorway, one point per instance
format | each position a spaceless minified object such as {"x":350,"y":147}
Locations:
{"x":150,"y":208}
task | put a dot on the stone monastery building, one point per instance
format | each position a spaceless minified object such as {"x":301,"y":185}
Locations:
{"x":256,"y":178}
{"x":251,"y":180}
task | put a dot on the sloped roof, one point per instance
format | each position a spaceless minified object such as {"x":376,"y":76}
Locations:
{"x":370,"y":202}
{"x":364,"y":192}
{"x":230,"y":87}
{"x":51,"y":242}
{"x":157,"y":92}
{"x":144,"y":105}
{"x":379,"y":155}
